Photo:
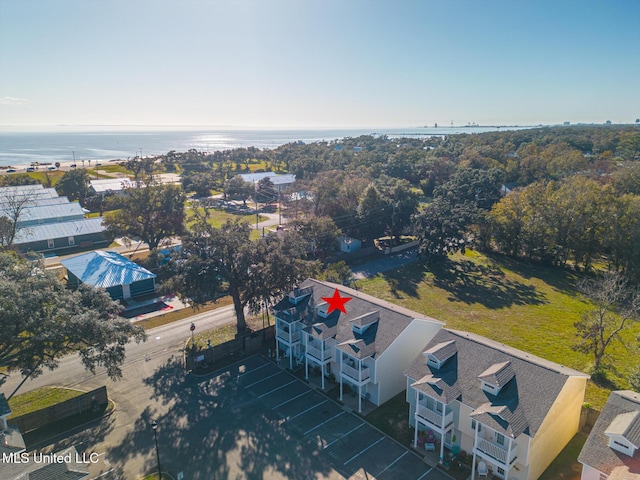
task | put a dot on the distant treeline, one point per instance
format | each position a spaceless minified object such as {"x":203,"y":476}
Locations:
{"x":554,"y":195}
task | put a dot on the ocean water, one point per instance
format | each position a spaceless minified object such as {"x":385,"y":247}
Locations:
{"x":19,"y":148}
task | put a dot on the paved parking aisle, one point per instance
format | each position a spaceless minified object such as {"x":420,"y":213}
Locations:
{"x":346,"y":442}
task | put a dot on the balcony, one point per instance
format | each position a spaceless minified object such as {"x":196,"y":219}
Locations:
{"x":434,"y":419}
{"x":286,"y":336}
{"x":496,"y":452}
{"x":357,"y":375}
{"x":322,"y":355}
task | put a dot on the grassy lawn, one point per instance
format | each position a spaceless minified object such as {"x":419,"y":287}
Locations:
{"x":392,"y":418}
{"x":41,"y":176}
{"x":224,"y":333}
{"x":529,"y":307}
{"x":40,"y":398}
{"x":114,"y":168}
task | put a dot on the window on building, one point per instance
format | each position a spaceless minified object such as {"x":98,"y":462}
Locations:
{"x":50,"y":243}
{"x":500,"y":471}
{"x":473,"y":425}
{"x":603,"y":476}
{"x":72,"y":241}
{"x":500,"y":439}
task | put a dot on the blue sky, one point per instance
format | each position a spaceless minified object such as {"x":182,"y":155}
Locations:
{"x":329,"y":63}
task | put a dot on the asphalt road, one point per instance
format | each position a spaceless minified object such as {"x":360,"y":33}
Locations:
{"x":162,"y":342}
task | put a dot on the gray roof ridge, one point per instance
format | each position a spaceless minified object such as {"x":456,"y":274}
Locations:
{"x":375,"y":300}
{"x":519,"y":354}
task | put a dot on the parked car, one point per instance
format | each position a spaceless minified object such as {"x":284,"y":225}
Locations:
{"x":11,"y":170}
{"x":73,"y":165}
{"x":31,"y":169}
{"x":51,"y":167}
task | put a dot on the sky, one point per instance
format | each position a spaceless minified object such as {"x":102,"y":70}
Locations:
{"x":318,"y":63}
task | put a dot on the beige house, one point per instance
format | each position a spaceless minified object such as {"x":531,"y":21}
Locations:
{"x":366,"y":349}
{"x":612,"y":451}
{"x":512,"y":411}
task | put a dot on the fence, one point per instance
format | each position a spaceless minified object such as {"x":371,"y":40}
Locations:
{"x":239,"y":345}
{"x":90,"y":401}
{"x":588,"y":417}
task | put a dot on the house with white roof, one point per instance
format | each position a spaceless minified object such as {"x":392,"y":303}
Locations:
{"x":513,"y":411}
{"x":612,"y":450}
{"x":366,"y":348}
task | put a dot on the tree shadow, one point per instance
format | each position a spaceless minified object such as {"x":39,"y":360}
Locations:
{"x":214,"y":429}
{"x":405,"y":280}
{"x":562,"y":279}
{"x":470,"y":282}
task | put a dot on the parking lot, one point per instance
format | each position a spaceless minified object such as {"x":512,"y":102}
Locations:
{"x":332,"y":442}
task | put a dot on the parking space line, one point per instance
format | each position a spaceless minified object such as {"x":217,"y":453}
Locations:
{"x":337,"y":439}
{"x":364,"y":450}
{"x":392,"y":464}
{"x":424,"y":474}
{"x":307,"y":410}
{"x":253,"y":370}
{"x":290,"y":400}
{"x":265,"y":378}
{"x":326,"y":421}
{"x":276,"y":389}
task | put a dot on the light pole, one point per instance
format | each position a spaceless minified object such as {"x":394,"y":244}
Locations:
{"x":154,"y":426}
{"x":192,"y":328}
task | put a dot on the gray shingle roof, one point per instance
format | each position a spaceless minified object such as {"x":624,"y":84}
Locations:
{"x":374,"y":340}
{"x":442,"y":351}
{"x":626,"y":425}
{"x":106,"y":269}
{"x":4,"y":406}
{"x":596,"y":451}
{"x":498,"y":374}
{"x":524,"y":401}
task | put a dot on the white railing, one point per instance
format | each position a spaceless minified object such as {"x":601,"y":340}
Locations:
{"x":354,"y":373}
{"x":321,"y":355}
{"x":287,"y":336}
{"x":496,"y":451}
{"x":434,"y":418}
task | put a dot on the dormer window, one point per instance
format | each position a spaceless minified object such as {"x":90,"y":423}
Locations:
{"x":440,"y":353}
{"x":322,"y":309}
{"x":624,"y":433}
{"x":363,"y":322}
{"x":496,"y":377}
{"x":298,"y":294}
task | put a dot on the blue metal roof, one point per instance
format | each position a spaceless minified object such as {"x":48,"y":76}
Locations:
{"x":106,"y":269}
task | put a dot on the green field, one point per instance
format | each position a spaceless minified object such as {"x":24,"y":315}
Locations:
{"x":529,"y":307}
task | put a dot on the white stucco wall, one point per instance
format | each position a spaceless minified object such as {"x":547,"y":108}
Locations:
{"x":402,"y":351}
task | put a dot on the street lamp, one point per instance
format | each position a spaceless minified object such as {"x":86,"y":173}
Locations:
{"x":154,"y":426}
{"x":192,"y":328}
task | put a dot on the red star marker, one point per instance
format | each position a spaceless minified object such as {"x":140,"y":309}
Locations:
{"x":336,"y":302}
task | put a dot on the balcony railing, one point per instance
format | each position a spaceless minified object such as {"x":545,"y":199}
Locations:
{"x":497,"y":452}
{"x":434,"y":418}
{"x":287,"y":336}
{"x":319,"y":354}
{"x":358,"y":375}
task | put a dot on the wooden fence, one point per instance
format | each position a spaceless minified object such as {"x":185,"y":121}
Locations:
{"x":90,"y":401}
{"x":240,"y":345}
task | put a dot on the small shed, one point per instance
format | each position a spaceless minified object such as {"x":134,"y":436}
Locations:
{"x":348,"y":244}
{"x":119,"y":276}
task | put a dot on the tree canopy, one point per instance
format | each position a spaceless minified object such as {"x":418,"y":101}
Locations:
{"x":221,"y":261}
{"x":43,"y":321}
{"x":74,"y":184}
{"x":152,"y":214}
